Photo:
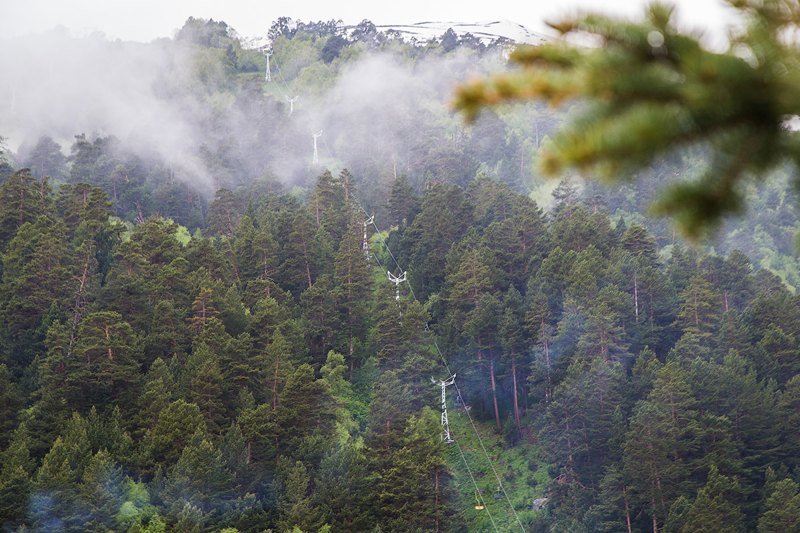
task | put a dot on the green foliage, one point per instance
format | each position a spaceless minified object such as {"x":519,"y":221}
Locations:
{"x":260,"y":374}
{"x":650,"y":88}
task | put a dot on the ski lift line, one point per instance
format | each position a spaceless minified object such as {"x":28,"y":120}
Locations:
{"x":455,"y":440}
{"x":444,"y":361}
{"x":281,"y":81}
{"x":458,"y":390}
{"x":480,"y":440}
{"x":475,"y":484}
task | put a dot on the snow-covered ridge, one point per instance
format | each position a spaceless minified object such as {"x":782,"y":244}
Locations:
{"x":485,"y":31}
{"x":424,"y":31}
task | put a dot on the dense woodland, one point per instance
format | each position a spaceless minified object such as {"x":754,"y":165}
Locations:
{"x":174,"y":359}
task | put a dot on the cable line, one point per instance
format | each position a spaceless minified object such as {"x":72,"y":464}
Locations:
{"x":458,"y":390}
{"x":371,"y":219}
{"x":449,"y":372}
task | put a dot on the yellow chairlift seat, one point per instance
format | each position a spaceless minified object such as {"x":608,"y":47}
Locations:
{"x":478,"y":504}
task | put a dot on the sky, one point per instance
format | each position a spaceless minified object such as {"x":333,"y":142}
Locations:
{"x":145,"y":20}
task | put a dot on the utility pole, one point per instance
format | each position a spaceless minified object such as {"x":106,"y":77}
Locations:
{"x":365,"y":242}
{"x":291,"y":103}
{"x":268,"y":75}
{"x":397,"y":280}
{"x":315,"y":160}
{"x":444,"y":383}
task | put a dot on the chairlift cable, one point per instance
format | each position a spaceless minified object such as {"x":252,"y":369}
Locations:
{"x":458,"y":390}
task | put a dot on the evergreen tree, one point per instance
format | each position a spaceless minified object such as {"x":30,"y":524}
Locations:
{"x":15,"y":479}
{"x":204,"y":386}
{"x":781,"y":509}
{"x":715,"y":508}
{"x":295,"y":507}
{"x":621,"y":129}
{"x":104,"y":363}
{"x":176,"y":424}
{"x":101,"y":491}
{"x":354,"y":283}
{"x":403,"y":204}
{"x":201,"y":479}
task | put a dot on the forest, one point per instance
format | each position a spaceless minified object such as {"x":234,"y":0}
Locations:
{"x":199,"y":331}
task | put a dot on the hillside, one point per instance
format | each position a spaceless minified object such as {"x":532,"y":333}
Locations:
{"x":198,"y":332}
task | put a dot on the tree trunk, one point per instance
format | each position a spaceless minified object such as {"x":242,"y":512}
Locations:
{"x":547,"y":363}
{"x":655,"y":521}
{"x":275,"y":383}
{"x":494,"y":396}
{"x":516,"y":402}
{"x":436,"y":500}
{"x":636,"y":296}
{"x":627,"y":509}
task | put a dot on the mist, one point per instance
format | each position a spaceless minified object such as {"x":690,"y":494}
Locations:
{"x":379,"y":112}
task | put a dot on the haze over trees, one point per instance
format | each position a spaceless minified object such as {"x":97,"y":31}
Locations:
{"x":208,"y":347}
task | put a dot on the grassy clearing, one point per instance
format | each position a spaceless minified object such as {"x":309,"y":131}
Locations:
{"x":520,"y":468}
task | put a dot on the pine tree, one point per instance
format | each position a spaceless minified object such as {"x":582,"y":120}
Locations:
{"x":306,"y":409}
{"x":658,"y":442}
{"x":56,"y":482}
{"x":715,"y":508}
{"x":442,"y":220}
{"x":10,"y":400}
{"x":105,"y":359}
{"x":46,"y":159}
{"x":321,"y":316}
{"x":410,"y":492}
{"x":513,"y":341}
{"x":295,"y":507}
{"x":23,"y":199}
{"x":204,"y":385}
{"x":403,"y":204}
{"x":782,"y":352}
{"x":354,"y":283}
{"x":299,"y":255}
{"x":158,"y":391}
{"x":203,"y":309}
{"x":260,"y":432}
{"x":343,"y":489}
{"x":101,"y":491}
{"x":223,"y":213}
{"x":15,"y":478}
{"x":201,"y":479}
{"x":33,"y":284}
{"x":176,"y":423}
{"x":700,"y":306}
{"x":790,"y":418}
{"x":781,"y":509}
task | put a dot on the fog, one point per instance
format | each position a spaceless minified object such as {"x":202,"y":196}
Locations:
{"x":378,"y":112}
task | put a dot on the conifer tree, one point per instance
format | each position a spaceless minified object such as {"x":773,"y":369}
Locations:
{"x":176,"y":423}
{"x":201,"y":479}
{"x":353,"y":282}
{"x":15,"y":478}
{"x":700,"y":306}
{"x":101,"y":491}
{"x":513,"y":342}
{"x":781,"y":509}
{"x":204,"y":385}
{"x":295,"y":507}
{"x":715,"y":508}
{"x":105,"y":359}
{"x":23,"y":199}
{"x":403,"y":204}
